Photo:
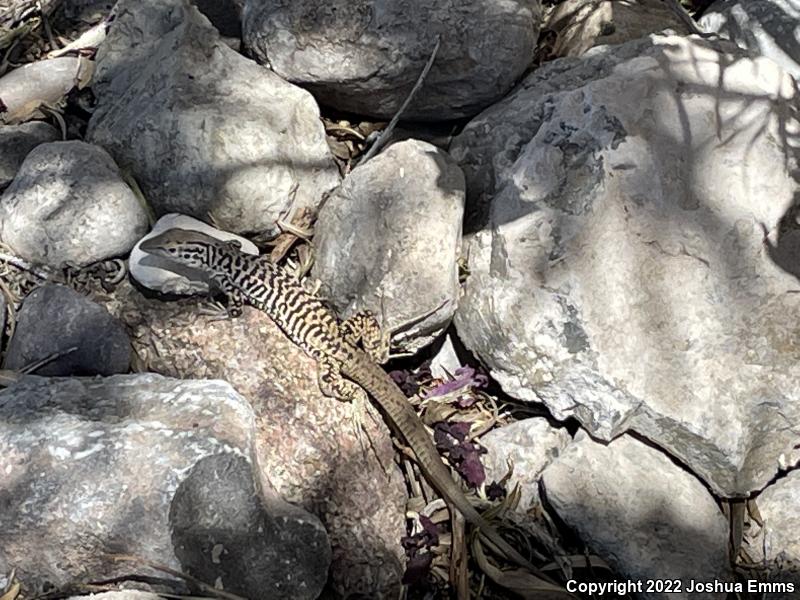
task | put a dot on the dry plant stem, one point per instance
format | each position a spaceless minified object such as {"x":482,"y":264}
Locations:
{"x":30,"y":368}
{"x":23,"y":265}
{"x":384,"y":137}
{"x":209,"y":589}
{"x":459,"y":574}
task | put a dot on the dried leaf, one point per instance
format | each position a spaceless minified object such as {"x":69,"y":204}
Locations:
{"x":525,"y":584}
{"x":418,"y":568}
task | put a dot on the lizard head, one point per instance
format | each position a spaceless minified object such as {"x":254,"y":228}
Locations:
{"x":186,"y":247}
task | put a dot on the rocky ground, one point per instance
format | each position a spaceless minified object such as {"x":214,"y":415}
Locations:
{"x":592,"y":204}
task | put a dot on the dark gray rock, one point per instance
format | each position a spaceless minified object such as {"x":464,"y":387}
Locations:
{"x":54,"y":318}
{"x":221,"y":530}
{"x":69,"y":204}
{"x":364,"y":56}
{"x":205,"y":131}
{"x":766,"y":27}
{"x":121,"y":465}
{"x":15,"y":143}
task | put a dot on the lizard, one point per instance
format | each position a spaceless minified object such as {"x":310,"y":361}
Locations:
{"x":346,"y":371}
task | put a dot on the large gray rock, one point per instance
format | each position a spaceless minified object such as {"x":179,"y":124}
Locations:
{"x":645,"y":516}
{"x":205,"y":131}
{"x":119,"y":595}
{"x":154,"y":467}
{"x":581,"y":24}
{"x":364,"y":56}
{"x":766,"y":27}
{"x":15,"y":143}
{"x":306,"y":446}
{"x":389,"y":239}
{"x":776,"y":547}
{"x":53,"y":319}
{"x":633,"y":271}
{"x":69,"y":204}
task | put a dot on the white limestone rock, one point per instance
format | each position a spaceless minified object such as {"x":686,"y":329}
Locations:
{"x":150,"y":466}
{"x":638,"y":255}
{"x":364,"y":56}
{"x":68,"y":204}
{"x":205,"y":131}
{"x":389,"y":239}
{"x":776,"y":547}
{"x":641,"y":513}
{"x":530,"y":446}
{"x":765,"y":27}
{"x":162,"y":275}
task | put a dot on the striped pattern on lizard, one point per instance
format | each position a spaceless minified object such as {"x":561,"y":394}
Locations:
{"x":346,"y":371}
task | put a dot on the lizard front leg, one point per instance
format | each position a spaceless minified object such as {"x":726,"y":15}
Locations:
{"x":235,"y":297}
{"x":364,"y":327}
{"x":331,"y":383}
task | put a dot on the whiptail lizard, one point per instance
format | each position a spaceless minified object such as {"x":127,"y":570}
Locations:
{"x":253,"y":280}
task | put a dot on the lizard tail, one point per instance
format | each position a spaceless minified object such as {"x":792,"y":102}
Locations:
{"x":401,"y":414}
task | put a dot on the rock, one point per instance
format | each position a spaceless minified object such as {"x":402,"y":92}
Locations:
{"x":776,"y":549}
{"x":306,"y":447}
{"x":25,"y":90}
{"x":221,"y":529}
{"x":765,"y":27}
{"x":3,"y":316}
{"x":117,"y":464}
{"x":389,"y":239}
{"x":52,"y":212}
{"x":446,"y":360}
{"x":119,"y":595}
{"x":531,"y":445}
{"x":225,"y":15}
{"x":365,"y":56}
{"x":581,"y":24}
{"x":642,"y":514}
{"x":86,"y":10}
{"x":636,"y":280}
{"x":205,"y":131}
{"x":55,"y":318}
{"x":15,"y":143}
{"x":169,"y":277}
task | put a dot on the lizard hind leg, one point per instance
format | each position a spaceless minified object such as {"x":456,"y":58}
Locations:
{"x":331,"y":383}
{"x":363,"y":327}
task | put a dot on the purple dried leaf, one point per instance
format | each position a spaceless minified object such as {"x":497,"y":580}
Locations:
{"x":457,"y":429}
{"x":431,"y":529}
{"x":472,"y":470}
{"x":418,"y":568}
{"x":446,"y":388}
{"x":495,"y":491}
{"x":399,"y":376}
{"x":465,"y":372}
{"x":443,"y":440}
{"x":481,"y":380}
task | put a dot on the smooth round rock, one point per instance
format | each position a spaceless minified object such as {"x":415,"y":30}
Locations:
{"x":364,"y":56}
{"x":68,"y":204}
